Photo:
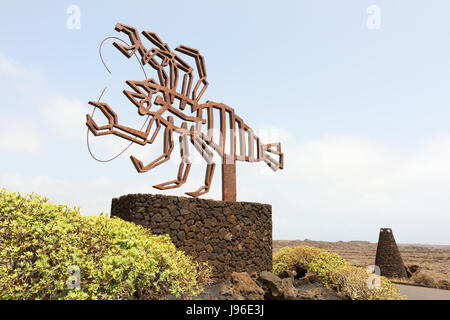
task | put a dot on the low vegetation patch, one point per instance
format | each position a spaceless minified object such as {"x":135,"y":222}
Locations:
{"x":423,"y":279}
{"x":335,"y":273}
{"x":40,"y":242}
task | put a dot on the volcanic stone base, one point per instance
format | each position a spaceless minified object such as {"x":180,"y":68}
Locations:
{"x":231,"y":236}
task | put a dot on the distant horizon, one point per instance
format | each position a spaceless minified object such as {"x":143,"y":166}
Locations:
{"x":398,"y":243}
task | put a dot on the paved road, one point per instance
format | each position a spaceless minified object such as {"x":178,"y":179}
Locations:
{"x":421,"y":293}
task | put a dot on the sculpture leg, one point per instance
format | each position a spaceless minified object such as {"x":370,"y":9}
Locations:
{"x":183,"y":171}
{"x":202,"y":147}
{"x":168,"y":148}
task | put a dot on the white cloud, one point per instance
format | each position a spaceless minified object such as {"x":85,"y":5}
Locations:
{"x":65,"y":117}
{"x":28,"y":81}
{"x":10,"y":67}
{"x":44,"y":185}
{"x":333,"y":188}
{"x":340,"y":187}
{"x":20,"y":136}
{"x":350,"y":170}
{"x":62,"y":191}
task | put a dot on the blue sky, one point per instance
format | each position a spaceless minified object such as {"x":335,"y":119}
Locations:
{"x":362,"y":114}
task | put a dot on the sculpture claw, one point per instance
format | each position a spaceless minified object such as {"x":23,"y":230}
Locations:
{"x":169,"y":185}
{"x":138,"y":164}
{"x":108,"y":113}
{"x":200,"y":191}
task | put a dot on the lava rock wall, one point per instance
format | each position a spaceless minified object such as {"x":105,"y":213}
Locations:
{"x":388,"y":257}
{"x":231,"y":236}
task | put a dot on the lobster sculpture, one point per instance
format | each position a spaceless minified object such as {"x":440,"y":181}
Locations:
{"x":162,"y":101}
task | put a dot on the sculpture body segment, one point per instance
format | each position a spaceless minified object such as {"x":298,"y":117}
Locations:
{"x":209,"y":127}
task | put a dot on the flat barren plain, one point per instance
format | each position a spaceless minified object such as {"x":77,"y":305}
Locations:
{"x":433,"y":260}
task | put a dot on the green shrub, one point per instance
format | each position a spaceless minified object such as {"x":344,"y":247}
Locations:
{"x":334,"y":272}
{"x":290,"y":257}
{"x":283,"y":260}
{"x":325,"y":263}
{"x":352,"y":283}
{"x":118,"y":260}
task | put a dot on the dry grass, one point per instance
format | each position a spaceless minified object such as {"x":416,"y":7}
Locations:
{"x":434,"y":260}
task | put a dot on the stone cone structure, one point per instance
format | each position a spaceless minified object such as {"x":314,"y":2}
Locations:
{"x":388,"y":257}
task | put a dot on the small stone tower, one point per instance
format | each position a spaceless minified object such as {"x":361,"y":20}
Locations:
{"x":388,"y":256}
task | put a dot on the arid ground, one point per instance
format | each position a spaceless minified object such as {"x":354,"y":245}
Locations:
{"x":433,"y":260}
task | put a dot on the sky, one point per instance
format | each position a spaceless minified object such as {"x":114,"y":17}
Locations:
{"x":357,"y":92}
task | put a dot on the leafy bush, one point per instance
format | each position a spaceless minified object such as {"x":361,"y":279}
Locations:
{"x":283,"y":260}
{"x":325,"y":264}
{"x":334,"y":272}
{"x":118,"y":260}
{"x":352,"y":283}
{"x":288,"y":258}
